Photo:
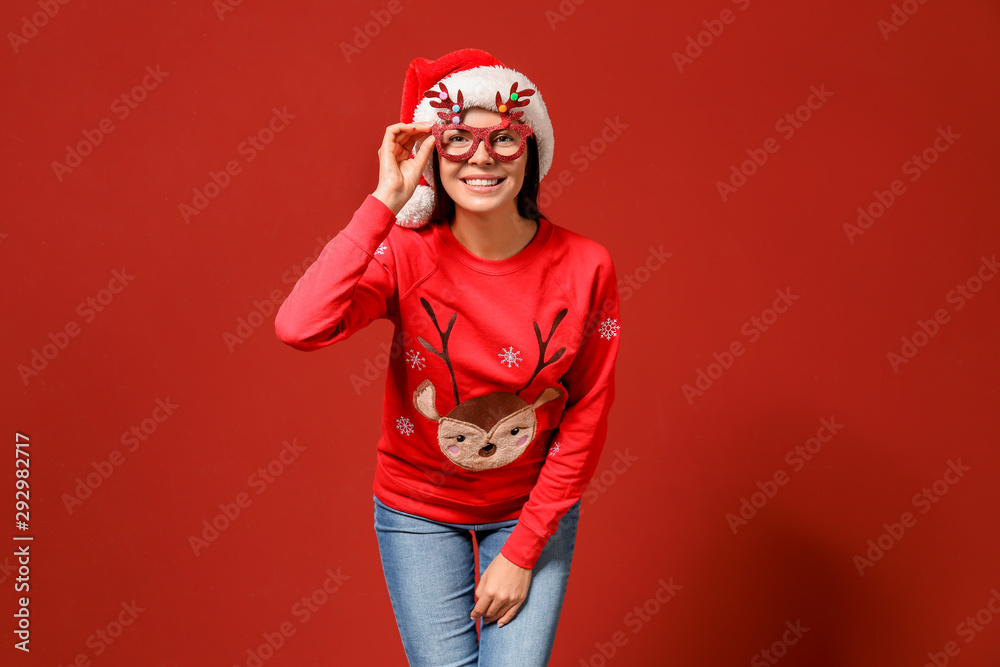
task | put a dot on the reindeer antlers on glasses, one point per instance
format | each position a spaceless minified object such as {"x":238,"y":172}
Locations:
{"x":514,"y":100}
{"x":453,"y":107}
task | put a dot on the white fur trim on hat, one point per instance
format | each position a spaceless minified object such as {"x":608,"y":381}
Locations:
{"x":417,"y":209}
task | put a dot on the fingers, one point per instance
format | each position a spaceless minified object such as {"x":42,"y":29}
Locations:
{"x":408,"y":128}
{"x":482,"y":606}
{"x":509,"y":616}
{"x":404,"y":134}
{"x":399,"y":140}
{"x":503,"y":614}
{"x":495,"y":609}
{"x":400,"y":134}
{"x":491,"y":609}
{"x":424,"y":152}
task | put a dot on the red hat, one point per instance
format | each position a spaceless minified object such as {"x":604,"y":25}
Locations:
{"x":482,"y":79}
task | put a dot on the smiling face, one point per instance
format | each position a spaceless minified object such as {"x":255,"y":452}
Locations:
{"x":480,"y":196}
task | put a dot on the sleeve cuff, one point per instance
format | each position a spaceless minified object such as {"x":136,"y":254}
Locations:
{"x":524,"y":546}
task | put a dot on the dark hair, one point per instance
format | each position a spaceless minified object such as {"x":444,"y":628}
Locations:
{"x":527,"y":198}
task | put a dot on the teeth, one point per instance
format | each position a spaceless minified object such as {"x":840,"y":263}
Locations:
{"x":479,"y":182}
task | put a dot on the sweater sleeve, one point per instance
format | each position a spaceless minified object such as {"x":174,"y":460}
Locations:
{"x":351,"y":283}
{"x":579,"y":440}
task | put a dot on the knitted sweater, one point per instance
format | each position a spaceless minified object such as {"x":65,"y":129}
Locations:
{"x":501,"y":372}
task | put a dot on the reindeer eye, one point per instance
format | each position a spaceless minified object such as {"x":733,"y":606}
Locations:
{"x":514,"y":431}
{"x":461,"y":438}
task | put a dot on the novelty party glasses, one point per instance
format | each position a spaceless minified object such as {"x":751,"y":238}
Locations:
{"x":457,"y":141}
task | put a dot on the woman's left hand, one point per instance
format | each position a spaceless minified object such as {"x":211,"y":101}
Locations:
{"x":501,"y":591}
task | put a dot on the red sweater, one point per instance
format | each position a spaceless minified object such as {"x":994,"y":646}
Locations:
{"x":501,"y":374}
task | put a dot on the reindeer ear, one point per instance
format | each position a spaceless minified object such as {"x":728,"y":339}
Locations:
{"x":550,"y":394}
{"x":425,"y":402}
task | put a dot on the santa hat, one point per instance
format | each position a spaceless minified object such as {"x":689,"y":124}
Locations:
{"x":483,"y":82}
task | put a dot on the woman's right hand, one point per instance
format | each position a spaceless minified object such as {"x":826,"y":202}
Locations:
{"x":398,"y":173}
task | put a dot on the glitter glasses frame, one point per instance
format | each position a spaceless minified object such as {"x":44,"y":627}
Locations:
{"x":480,"y":135}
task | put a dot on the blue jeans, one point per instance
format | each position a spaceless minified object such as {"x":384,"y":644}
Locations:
{"x":429,"y":569}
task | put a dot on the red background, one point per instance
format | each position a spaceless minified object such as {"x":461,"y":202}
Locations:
{"x":664,"y":516}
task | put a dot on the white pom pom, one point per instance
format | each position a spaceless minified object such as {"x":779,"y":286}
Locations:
{"x":417,"y":210}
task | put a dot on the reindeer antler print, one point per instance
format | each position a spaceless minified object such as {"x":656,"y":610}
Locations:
{"x":491,"y":430}
{"x":444,"y":343}
{"x":542,"y":345}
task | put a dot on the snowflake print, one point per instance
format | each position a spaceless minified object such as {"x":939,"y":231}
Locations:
{"x":510,"y":356}
{"x":381,"y":248}
{"x":416,"y":359}
{"x":404,"y":426}
{"x":609,"y":328}
{"x":554,"y":447}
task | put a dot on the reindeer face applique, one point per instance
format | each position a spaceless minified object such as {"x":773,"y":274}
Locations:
{"x":488,"y":431}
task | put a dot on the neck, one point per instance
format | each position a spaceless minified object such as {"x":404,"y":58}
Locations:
{"x":497,"y":234}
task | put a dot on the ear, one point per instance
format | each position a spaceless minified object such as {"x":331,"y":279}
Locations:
{"x":424,"y":401}
{"x":550,"y":394}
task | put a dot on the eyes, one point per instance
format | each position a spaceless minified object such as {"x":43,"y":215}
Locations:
{"x":513,"y":431}
{"x":459,"y":138}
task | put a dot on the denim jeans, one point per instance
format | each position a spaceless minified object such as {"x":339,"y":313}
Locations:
{"x":429,"y":569}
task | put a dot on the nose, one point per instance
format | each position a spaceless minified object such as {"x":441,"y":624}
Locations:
{"x":481,"y":156}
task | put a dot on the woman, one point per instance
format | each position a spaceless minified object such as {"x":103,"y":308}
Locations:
{"x":501,"y":375}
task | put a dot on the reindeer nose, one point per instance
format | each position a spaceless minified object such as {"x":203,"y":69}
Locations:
{"x":489,"y":449}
